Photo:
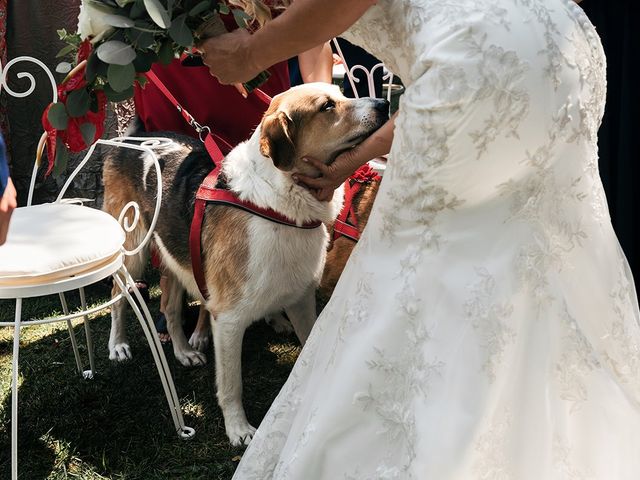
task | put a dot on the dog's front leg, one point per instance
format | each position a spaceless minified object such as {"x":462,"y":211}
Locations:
{"x":119,"y":349}
{"x":228,"y":331}
{"x":183,"y":352}
{"x":303,"y":314}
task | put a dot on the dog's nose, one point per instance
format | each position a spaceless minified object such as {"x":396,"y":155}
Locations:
{"x":381,"y":105}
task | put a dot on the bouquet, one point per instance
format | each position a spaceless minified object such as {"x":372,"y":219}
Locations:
{"x":117,"y":41}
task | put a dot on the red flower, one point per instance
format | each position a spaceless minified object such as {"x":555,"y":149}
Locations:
{"x":84,"y":51}
{"x":72,"y":136}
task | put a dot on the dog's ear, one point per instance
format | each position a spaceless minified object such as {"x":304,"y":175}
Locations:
{"x":276,"y":140}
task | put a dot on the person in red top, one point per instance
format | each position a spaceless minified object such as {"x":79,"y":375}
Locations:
{"x":220,"y":107}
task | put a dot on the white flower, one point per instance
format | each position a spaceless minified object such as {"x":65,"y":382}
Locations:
{"x":92,"y":23}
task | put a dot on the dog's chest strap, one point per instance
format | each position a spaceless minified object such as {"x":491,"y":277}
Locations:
{"x":209,"y":193}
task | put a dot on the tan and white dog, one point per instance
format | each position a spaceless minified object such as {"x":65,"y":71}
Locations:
{"x":253,"y":267}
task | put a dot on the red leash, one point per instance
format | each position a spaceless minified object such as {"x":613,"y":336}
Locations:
{"x":209,"y":142}
{"x":209,"y":193}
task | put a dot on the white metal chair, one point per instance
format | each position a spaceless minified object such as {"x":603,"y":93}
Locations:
{"x":350,"y":72}
{"x":62,"y":246}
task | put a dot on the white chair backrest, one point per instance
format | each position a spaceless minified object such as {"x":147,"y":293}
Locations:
{"x":142,"y":144}
{"x":4,"y":70}
{"x":350,"y":71}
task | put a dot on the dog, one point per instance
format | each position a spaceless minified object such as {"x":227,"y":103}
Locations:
{"x":253,"y":267}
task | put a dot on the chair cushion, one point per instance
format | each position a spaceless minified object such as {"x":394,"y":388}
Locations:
{"x":55,"y":240}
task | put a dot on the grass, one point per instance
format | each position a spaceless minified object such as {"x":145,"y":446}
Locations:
{"x":118,"y":425}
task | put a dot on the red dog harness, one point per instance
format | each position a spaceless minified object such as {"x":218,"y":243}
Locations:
{"x":208,"y":192}
{"x":347,"y":222}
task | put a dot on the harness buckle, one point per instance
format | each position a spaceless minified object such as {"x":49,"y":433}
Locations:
{"x":203,"y":132}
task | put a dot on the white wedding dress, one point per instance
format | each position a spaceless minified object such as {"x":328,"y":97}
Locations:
{"x":486,"y":326}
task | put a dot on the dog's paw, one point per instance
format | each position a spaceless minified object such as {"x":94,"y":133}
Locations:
{"x":240,"y":433}
{"x":120,"y":352}
{"x":190,"y":358}
{"x":199,"y":341}
{"x":279,"y":323}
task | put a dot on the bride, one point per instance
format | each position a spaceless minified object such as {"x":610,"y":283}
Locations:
{"x":486,"y":326}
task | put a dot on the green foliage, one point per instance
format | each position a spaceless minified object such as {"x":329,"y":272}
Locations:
{"x":116,"y":52}
{"x":121,"y":77}
{"x":78,"y":102}
{"x":158,"y":13}
{"x":88,"y":131}
{"x":241,"y":18}
{"x":95,"y":68}
{"x":137,"y":10}
{"x":144,"y":32}
{"x":57,"y":116}
{"x":140,"y":39}
{"x":179,"y":31}
{"x":66,"y":51}
{"x":144,"y":60}
{"x":138,"y":33}
{"x":165,"y":53}
{"x":199,"y":8}
{"x":62,"y":159}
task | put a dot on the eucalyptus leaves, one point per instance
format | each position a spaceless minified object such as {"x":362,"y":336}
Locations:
{"x":115,"y":43}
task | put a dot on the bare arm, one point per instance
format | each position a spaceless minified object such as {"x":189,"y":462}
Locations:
{"x":239,"y":56}
{"x":316,"y":65}
{"x":332,"y":176}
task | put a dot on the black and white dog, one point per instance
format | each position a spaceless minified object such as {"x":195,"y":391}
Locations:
{"x":253,"y":267}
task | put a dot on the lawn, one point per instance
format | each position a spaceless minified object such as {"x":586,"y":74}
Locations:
{"x":118,"y":425}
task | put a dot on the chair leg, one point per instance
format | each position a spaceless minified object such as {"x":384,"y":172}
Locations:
{"x":88,"y":374}
{"x":14,"y":390}
{"x":72,"y":335}
{"x":127,"y":283}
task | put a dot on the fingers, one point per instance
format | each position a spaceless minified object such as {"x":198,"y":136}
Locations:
{"x":315,"y":163}
{"x":241,"y":89}
{"x":226,"y":56}
{"x":321,"y":188}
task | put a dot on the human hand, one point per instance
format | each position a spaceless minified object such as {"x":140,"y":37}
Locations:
{"x":7,"y":205}
{"x":331,"y":176}
{"x":229,"y":57}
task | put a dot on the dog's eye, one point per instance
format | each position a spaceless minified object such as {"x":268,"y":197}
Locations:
{"x":328,"y":105}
